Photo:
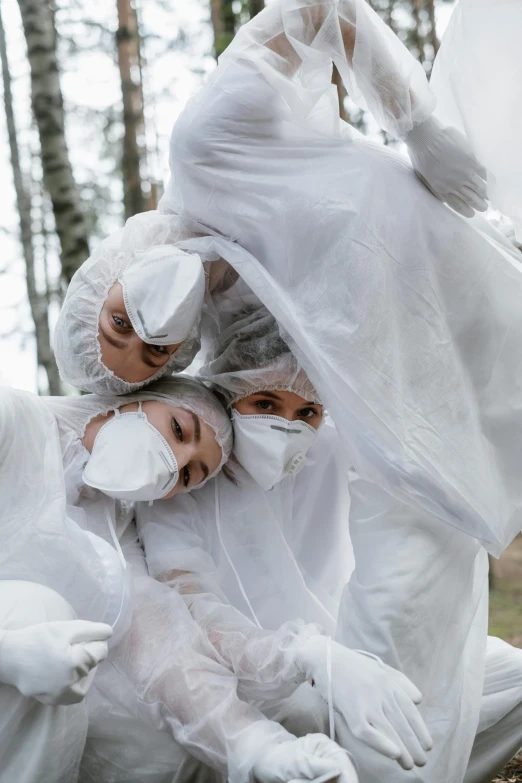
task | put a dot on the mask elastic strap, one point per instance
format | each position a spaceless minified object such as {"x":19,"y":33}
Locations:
{"x":331,"y":713}
{"x":225,"y":550}
{"x":115,"y":541}
{"x":121,"y":558}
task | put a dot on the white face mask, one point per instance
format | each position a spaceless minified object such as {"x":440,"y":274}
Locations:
{"x":270,"y":447}
{"x":131,"y":460}
{"x":163,"y":291}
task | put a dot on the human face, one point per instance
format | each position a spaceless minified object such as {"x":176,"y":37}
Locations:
{"x":285,"y":404}
{"x":122,"y":351}
{"x":192,"y":440}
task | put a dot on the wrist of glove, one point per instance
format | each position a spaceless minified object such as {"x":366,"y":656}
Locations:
{"x":378,"y":703}
{"x":53,"y":662}
{"x":443,"y":161}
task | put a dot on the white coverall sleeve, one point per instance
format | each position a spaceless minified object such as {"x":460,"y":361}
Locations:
{"x":41,"y":539}
{"x":264,"y":661}
{"x":418,"y":599}
{"x":178,"y":684}
{"x":294,"y":43}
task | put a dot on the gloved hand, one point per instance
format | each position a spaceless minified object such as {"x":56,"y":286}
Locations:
{"x":306,"y":758}
{"x":51,"y":661}
{"x":443,"y":161}
{"x":377,"y":702}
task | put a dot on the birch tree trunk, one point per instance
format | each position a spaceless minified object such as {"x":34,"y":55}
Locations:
{"x":38,"y":303}
{"x":47,"y":106}
{"x":128,"y":45}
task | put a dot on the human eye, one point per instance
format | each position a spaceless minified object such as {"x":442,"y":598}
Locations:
{"x":186,"y":477}
{"x":308,"y":413}
{"x":176,"y":429}
{"x":120,"y":323}
{"x":265,"y":405}
{"x":158,"y":350}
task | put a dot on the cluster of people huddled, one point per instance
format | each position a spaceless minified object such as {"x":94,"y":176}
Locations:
{"x":274,"y":568}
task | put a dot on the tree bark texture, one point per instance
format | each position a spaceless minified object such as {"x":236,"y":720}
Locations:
{"x":128,"y":45}
{"x":47,"y":106}
{"x":434,"y":39}
{"x":254,"y":7}
{"x":38,"y":303}
{"x":223,"y":21}
{"x":418,"y":37}
{"x":341,"y":94}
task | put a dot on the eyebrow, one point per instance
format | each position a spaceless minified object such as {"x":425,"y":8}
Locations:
{"x":112,"y":340}
{"x":267,"y":394}
{"x":197,"y":430}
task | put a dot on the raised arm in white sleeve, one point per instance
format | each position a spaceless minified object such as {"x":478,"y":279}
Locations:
{"x":292,"y":45}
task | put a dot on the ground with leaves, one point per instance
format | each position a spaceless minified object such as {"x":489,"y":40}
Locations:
{"x":505,"y":620}
{"x":512,"y":773}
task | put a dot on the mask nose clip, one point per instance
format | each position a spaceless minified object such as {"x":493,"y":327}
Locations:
{"x":296,"y":464}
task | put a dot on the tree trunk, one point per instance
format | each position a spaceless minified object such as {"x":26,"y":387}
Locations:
{"x":417,"y":33}
{"x":254,"y":7}
{"x":128,"y":45}
{"x":341,"y":93}
{"x":47,"y":105}
{"x":223,"y":21}
{"x":434,"y":38}
{"x":37,"y":302}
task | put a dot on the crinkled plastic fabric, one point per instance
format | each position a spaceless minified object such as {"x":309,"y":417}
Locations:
{"x":481,"y":95}
{"x":74,"y":413}
{"x":251,"y":356}
{"x":42,"y":540}
{"x":405,"y":316}
{"x":260,"y":571}
{"x":76,"y":346}
{"x":163,"y":679}
{"x":418,"y":598}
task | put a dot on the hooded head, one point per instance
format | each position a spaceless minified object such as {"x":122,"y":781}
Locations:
{"x":132,"y":310}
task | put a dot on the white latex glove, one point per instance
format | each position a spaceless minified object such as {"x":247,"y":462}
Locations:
{"x":377,"y":702}
{"x":52,"y":661}
{"x":444,"y":162}
{"x":308,"y":758}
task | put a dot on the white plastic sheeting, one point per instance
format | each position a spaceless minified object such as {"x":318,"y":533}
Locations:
{"x":477,"y":79}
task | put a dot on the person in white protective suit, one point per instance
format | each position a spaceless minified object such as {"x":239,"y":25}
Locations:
{"x":102,"y":453}
{"x":405,"y":316}
{"x":132,"y":311}
{"x":58,"y":563}
{"x":245,"y":557}
{"x":262,"y":550}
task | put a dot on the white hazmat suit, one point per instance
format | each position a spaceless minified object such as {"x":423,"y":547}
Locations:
{"x":406,"y":318}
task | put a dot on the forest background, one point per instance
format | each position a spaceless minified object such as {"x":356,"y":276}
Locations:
{"x":91,"y":89}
